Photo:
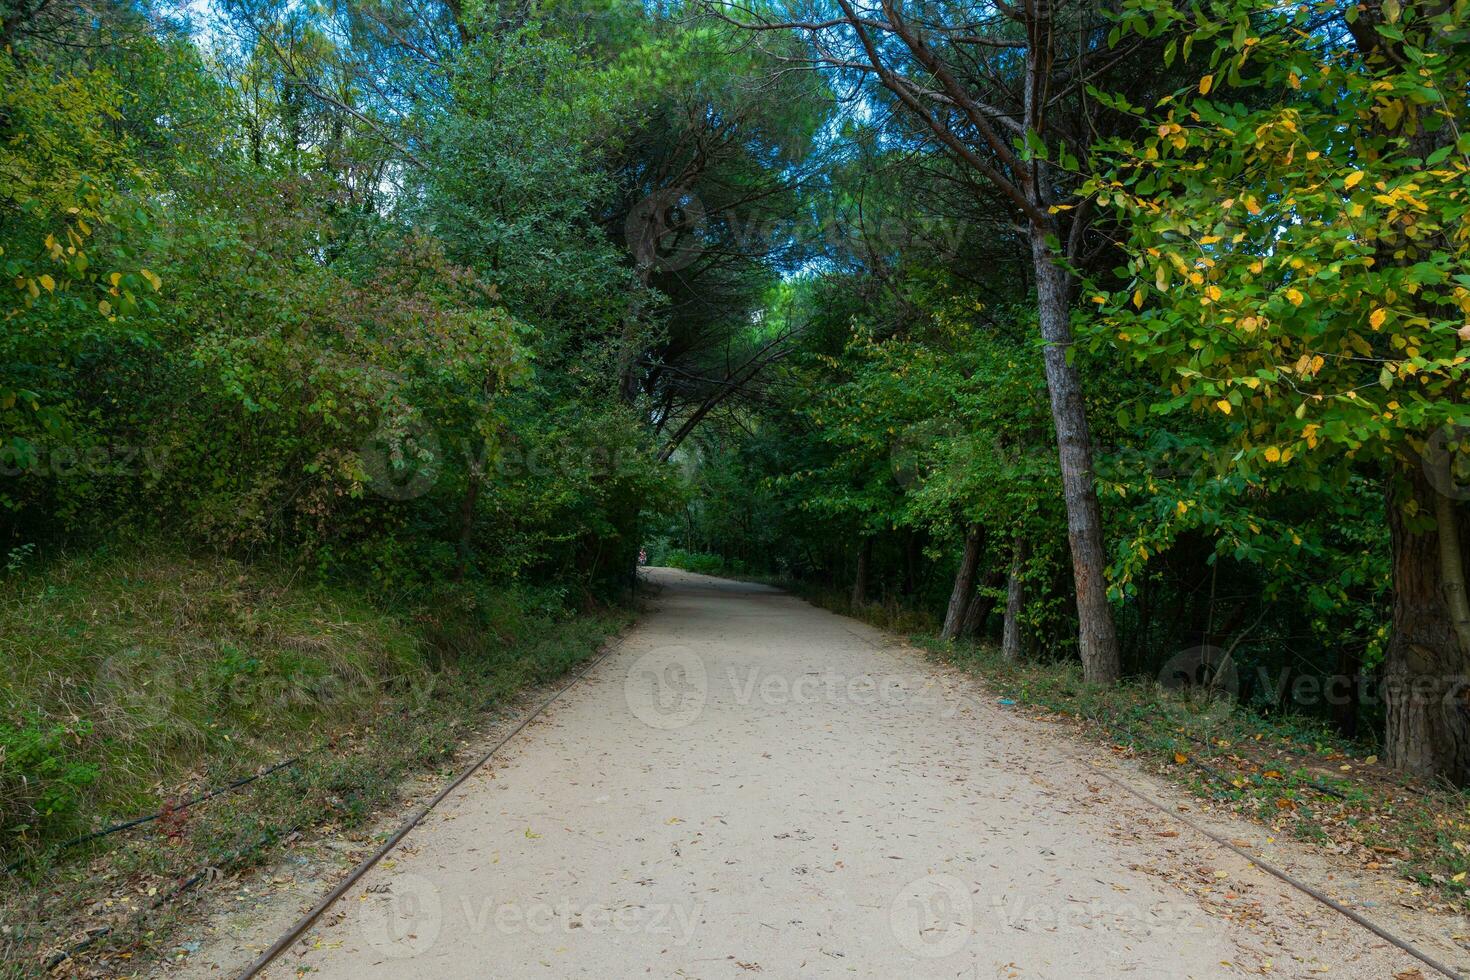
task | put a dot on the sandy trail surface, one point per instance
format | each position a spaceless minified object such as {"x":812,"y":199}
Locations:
{"x":750,"y":785}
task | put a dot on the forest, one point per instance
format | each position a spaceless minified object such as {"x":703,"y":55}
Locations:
{"x":1125,"y":338}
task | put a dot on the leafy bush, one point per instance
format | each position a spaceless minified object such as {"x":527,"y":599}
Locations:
{"x":41,"y":777}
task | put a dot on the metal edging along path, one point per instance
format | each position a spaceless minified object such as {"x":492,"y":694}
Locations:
{"x":299,"y":928}
{"x":306,"y":921}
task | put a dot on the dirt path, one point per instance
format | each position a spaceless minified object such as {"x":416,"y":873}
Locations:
{"x":751,"y":785}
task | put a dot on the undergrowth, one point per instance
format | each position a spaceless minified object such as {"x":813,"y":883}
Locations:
{"x":133,"y":683}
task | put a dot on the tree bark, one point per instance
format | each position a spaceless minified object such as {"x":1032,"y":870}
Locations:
{"x":913,"y":554}
{"x":466,"y":525}
{"x":1343,"y":687}
{"x":1096,"y":638}
{"x":1010,"y":640}
{"x":1426,"y":690}
{"x":982,"y":604}
{"x":860,"y":580}
{"x":964,"y":582}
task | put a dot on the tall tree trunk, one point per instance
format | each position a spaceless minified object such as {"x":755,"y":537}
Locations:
{"x":1097,"y":641}
{"x":1343,"y":686}
{"x":1426,"y":691}
{"x":1010,"y":639}
{"x":964,"y":582}
{"x":913,"y":554}
{"x":982,"y":603}
{"x":860,"y":580}
{"x":466,"y":525}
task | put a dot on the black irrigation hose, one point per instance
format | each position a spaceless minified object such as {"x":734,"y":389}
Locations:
{"x":1310,"y":783}
{"x":1275,"y":872}
{"x":139,"y":821}
{"x":1303,"y":887}
{"x":188,"y":883}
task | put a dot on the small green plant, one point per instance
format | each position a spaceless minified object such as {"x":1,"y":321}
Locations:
{"x":18,"y":556}
{"x":41,"y":777}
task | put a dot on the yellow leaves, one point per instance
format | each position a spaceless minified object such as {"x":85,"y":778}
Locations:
{"x":1273,"y":454}
{"x":1205,"y":84}
{"x":105,"y":308}
{"x":1138,"y":299}
{"x":1376,"y":318}
{"x":1251,"y":204}
{"x":152,"y":278}
{"x":1212,"y":293}
{"x":1258,"y":266}
{"x":1180,"y":758}
{"x":1224,"y":406}
{"x":1099,"y":300}
{"x":1294,"y":297}
{"x":1294,"y":80}
{"x":48,"y":284}
{"x":1353,"y":179}
{"x":1309,"y":364}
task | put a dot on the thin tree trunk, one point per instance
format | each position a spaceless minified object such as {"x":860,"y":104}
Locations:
{"x":982,"y":603}
{"x":1097,"y":641}
{"x":1344,"y":688}
{"x":860,"y":580}
{"x":1010,"y":639}
{"x":913,"y":553}
{"x":964,"y":582}
{"x":466,"y":526}
{"x":1425,"y":690}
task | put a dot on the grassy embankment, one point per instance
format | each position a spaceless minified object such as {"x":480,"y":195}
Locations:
{"x":132,"y":683}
